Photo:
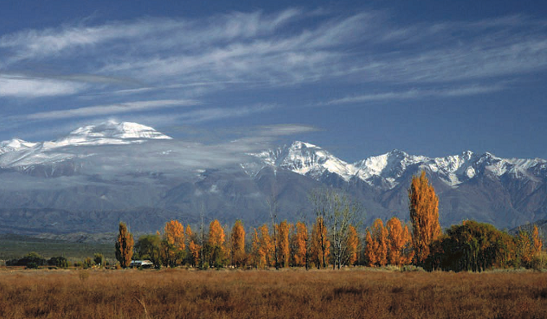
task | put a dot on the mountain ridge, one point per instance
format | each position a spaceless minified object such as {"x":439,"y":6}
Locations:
{"x":123,"y":169}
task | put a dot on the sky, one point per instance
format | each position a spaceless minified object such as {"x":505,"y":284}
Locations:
{"x":358,"y":78}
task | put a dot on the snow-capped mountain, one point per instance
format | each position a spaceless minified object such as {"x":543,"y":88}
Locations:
{"x":307,"y":159}
{"x":19,"y":153}
{"x":99,"y":174}
{"x":387,"y":169}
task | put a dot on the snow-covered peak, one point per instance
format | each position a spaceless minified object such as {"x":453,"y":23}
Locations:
{"x":108,"y":133}
{"x":390,"y":169}
{"x":123,"y":130}
{"x":307,"y":159}
{"x":389,"y":166}
{"x":19,"y":153}
{"x":15,"y":145}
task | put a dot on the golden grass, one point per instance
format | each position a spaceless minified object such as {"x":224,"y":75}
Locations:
{"x":182,"y":293}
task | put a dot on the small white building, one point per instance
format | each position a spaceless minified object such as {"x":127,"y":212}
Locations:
{"x":141,"y":264}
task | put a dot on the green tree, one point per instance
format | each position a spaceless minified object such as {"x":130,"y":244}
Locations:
{"x":98,"y":259}
{"x":148,"y":247}
{"x":124,"y":246}
{"x":60,"y":262}
{"x":471,"y":246}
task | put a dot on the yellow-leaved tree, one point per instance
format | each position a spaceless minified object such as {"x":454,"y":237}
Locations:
{"x":399,"y":243}
{"x":352,"y":245}
{"x":173,"y":243}
{"x":300,"y":244}
{"x":282,"y":242}
{"x":380,"y":236}
{"x":238,"y":244}
{"x":371,"y":246}
{"x":124,"y":246}
{"x":536,"y":241}
{"x":193,"y":246}
{"x":320,"y":244}
{"x":215,"y":244}
{"x":424,"y":215}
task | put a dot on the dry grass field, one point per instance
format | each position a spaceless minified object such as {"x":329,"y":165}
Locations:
{"x":180,"y":293}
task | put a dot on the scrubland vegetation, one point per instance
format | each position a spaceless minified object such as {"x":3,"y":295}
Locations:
{"x":361,"y":293}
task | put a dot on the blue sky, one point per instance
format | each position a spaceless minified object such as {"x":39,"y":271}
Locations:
{"x":358,"y":78}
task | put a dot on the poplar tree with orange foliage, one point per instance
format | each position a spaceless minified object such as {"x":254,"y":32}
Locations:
{"x":193,"y":247}
{"x":215,"y":244}
{"x":173,"y":244}
{"x":258,"y":259}
{"x":320,"y":245}
{"x":537,"y":243}
{"x":370,"y":250}
{"x":424,"y":215}
{"x":408,"y":250}
{"x":124,"y":246}
{"x":352,"y":245}
{"x":300,"y":244}
{"x":262,"y":248}
{"x":380,"y":236}
{"x":282,"y":242}
{"x":238,"y":244}
{"x":399,"y":242}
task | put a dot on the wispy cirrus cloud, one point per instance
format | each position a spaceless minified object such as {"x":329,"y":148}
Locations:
{"x":32,"y":87}
{"x":183,"y":58}
{"x":415,"y":94}
{"x":99,"y":110}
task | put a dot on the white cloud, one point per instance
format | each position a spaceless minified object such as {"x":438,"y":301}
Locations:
{"x":15,"y":86}
{"x":199,"y":57}
{"x":211,"y":114}
{"x":416,"y":94}
{"x":101,"y":110}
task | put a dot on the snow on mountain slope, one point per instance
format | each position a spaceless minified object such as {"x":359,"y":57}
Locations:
{"x":311,"y":160}
{"x":385,"y":171}
{"x":307,"y":159}
{"x":19,"y":153}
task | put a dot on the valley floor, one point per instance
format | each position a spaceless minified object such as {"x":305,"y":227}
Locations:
{"x":356,"y":293}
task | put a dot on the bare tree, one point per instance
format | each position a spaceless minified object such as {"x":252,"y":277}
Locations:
{"x":272,"y":202}
{"x":338,"y":212}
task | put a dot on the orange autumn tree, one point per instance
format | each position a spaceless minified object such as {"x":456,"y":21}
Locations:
{"x":399,"y":242}
{"x":193,"y":247}
{"x":424,"y":215}
{"x":262,"y":254}
{"x":258,"y":259}
{"x":320,"y":244}
{"x":282,"y":242}
{"x":536,"y":241}
{"x":408,"y":249}
{"x":380,"y":236}
{"x":215,"y":244}
{"x":238,"y":244}
{"x":172,"y":245}
{"x":370,"y":250}
{"x":124,"y":246}
{"x":352,"y":245}
{"x":528,"y":245}
{"x":300,"y":243}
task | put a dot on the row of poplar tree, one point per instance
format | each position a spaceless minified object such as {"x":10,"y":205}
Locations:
{"x":333,"y":240}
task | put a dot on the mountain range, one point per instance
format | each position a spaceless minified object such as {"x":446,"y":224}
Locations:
{"x":100,"y":174}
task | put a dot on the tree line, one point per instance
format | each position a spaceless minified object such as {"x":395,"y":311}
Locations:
{"x":333,"y":240}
